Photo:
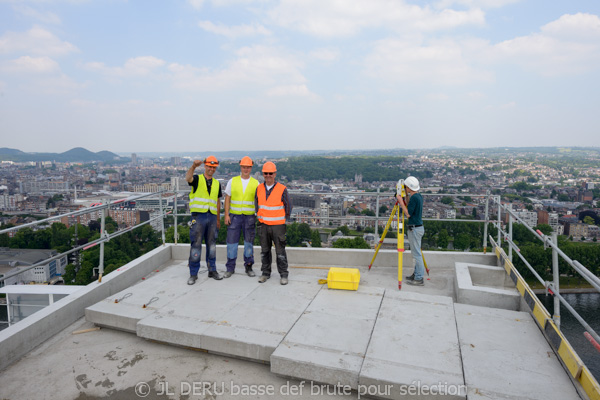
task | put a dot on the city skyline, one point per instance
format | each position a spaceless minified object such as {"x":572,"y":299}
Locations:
{"x":262,"y":75}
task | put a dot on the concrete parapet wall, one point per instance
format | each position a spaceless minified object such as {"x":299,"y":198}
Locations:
{"x":349,"y":257}
{"x":17,"y":340}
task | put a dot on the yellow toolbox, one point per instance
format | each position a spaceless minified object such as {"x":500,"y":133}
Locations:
{"x":343,"y":278}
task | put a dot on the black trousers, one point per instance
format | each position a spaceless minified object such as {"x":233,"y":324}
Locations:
{"x":272,"y":234}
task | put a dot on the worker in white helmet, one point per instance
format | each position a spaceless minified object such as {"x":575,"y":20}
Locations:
{"x":414,"y":212}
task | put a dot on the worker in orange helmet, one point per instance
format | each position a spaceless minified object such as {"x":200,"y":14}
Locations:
{"x":273,"y":207}
{"x":240,"y":216}
{"x":205,"y":206}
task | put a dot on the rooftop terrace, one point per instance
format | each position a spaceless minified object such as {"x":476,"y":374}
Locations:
{"x":468,"y":333}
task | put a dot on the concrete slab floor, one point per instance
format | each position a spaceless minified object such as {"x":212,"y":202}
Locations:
{"x":123,"y":310}
{"x":111,"y":364}
{"x":414,"y":348}
{"x":329,"y":341}
{"x":505,"y":356}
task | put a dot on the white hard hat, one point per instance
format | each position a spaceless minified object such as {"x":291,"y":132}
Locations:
{"x":412,"y":183}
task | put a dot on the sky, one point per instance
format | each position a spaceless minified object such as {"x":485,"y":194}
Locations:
{"x":219,"y":75}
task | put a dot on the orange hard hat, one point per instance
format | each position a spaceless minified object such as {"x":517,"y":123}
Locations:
{"x":246,"y":162}
{"x":269,"y":167}
{"x":211,"y":160}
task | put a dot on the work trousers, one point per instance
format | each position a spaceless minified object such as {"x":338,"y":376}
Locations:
{"x":203,"y":227}
{"x":240,"y":223}
{"x":414,"y":238}
{"x":273,"y":234}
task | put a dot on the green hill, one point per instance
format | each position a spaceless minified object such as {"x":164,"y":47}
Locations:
{"x":77,"y":154}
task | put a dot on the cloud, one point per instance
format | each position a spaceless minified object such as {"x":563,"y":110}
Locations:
{"x":291,"y":91}
{"x":36,"y":41}
{"x":475,"y":95}
{"x":255,"y":65}
{"x":580,"y":26}
{"x":325,"y":54}
{"x":476,"y":3}
{"x":347,"y":18}
{"x":133,"y":67}
{"x":437,"y":96}
{"x":233,"y":32}
{"x":197,"y":4}
{"x":441,"y":61}
{"x":45,"y":17}
{"x":568,"y":45}
{"x":30,"y":65}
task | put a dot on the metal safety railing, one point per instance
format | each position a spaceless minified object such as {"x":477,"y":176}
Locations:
{"x":377,"y":219}
{"x":553,"y":287}
{"x":104,"y":236}
{"x":490,"y":200}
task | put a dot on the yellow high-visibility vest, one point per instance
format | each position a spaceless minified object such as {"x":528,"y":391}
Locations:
{"x":200,"y":200}
{"x":242,"y":202}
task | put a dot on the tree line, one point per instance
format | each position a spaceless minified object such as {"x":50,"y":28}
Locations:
{"x":117,"y":252}
{"x":372,"y":169}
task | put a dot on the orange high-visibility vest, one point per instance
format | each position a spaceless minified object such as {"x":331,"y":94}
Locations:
{"x":271,"y":211}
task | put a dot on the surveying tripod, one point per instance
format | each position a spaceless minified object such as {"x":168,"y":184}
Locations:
{"x":396,"y":211}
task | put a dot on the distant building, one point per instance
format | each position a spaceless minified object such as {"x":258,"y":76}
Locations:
{"x":13,"y":260}
{"x":529,"y":217}
{"x":133,"y":158}
{"x":449,"y":213}
{"x":306,"y":200}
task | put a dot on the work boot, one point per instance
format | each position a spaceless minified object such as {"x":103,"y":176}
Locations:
{"x":228,"y":274}
{"x":249,"y":271}
{"x":215,"y":275}
{"x":284,"y":281}
{"x":411,"y":277}
{"x":416,"y":282}
{"x":192,"y":279}
{"x":263,"y":278}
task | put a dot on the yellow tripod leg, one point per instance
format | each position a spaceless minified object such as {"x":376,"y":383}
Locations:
{"x":387,"y":226}
{"x":400,"y":241}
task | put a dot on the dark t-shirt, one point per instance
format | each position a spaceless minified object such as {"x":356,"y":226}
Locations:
{"x":415,"y":209}
{"x":209,"y":182}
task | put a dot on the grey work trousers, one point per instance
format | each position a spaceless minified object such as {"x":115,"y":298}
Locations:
{"x":272,"y":234}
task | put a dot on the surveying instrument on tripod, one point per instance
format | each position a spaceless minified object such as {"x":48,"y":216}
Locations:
{"x":398,"y":211}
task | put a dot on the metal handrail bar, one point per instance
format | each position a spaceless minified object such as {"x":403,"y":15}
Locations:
{"x":533,"y":271}
{"x":82,"y":247}
{"x":514,"y":246}
{"x":578,"y":317}
{"x":78,"y":212}
{"x":577,"y":266}
{"x":550,"y":286}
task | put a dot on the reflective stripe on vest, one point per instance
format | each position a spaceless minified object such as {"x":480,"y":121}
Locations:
{"x":271,"y":211}
{"x":242,"y":202}
{"x":200,"y":200}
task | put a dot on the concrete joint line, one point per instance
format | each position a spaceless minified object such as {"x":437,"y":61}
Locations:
{"x":371,"y":335}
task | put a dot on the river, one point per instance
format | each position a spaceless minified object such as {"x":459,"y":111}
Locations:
{"x":588,"y":306}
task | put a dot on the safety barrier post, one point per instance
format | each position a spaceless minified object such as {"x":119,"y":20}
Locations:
{"x":555,"y":277}
{"x":486,"y":218}
{"x":102,"y":234}
{"x":499,"y":226}
{"x":510,"y":236}
{"x":175,"y":213}
{"x":377,"y":215}
{"x":162,"y":219}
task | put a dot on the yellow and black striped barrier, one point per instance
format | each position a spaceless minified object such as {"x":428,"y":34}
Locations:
{"x":557,"y":340}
